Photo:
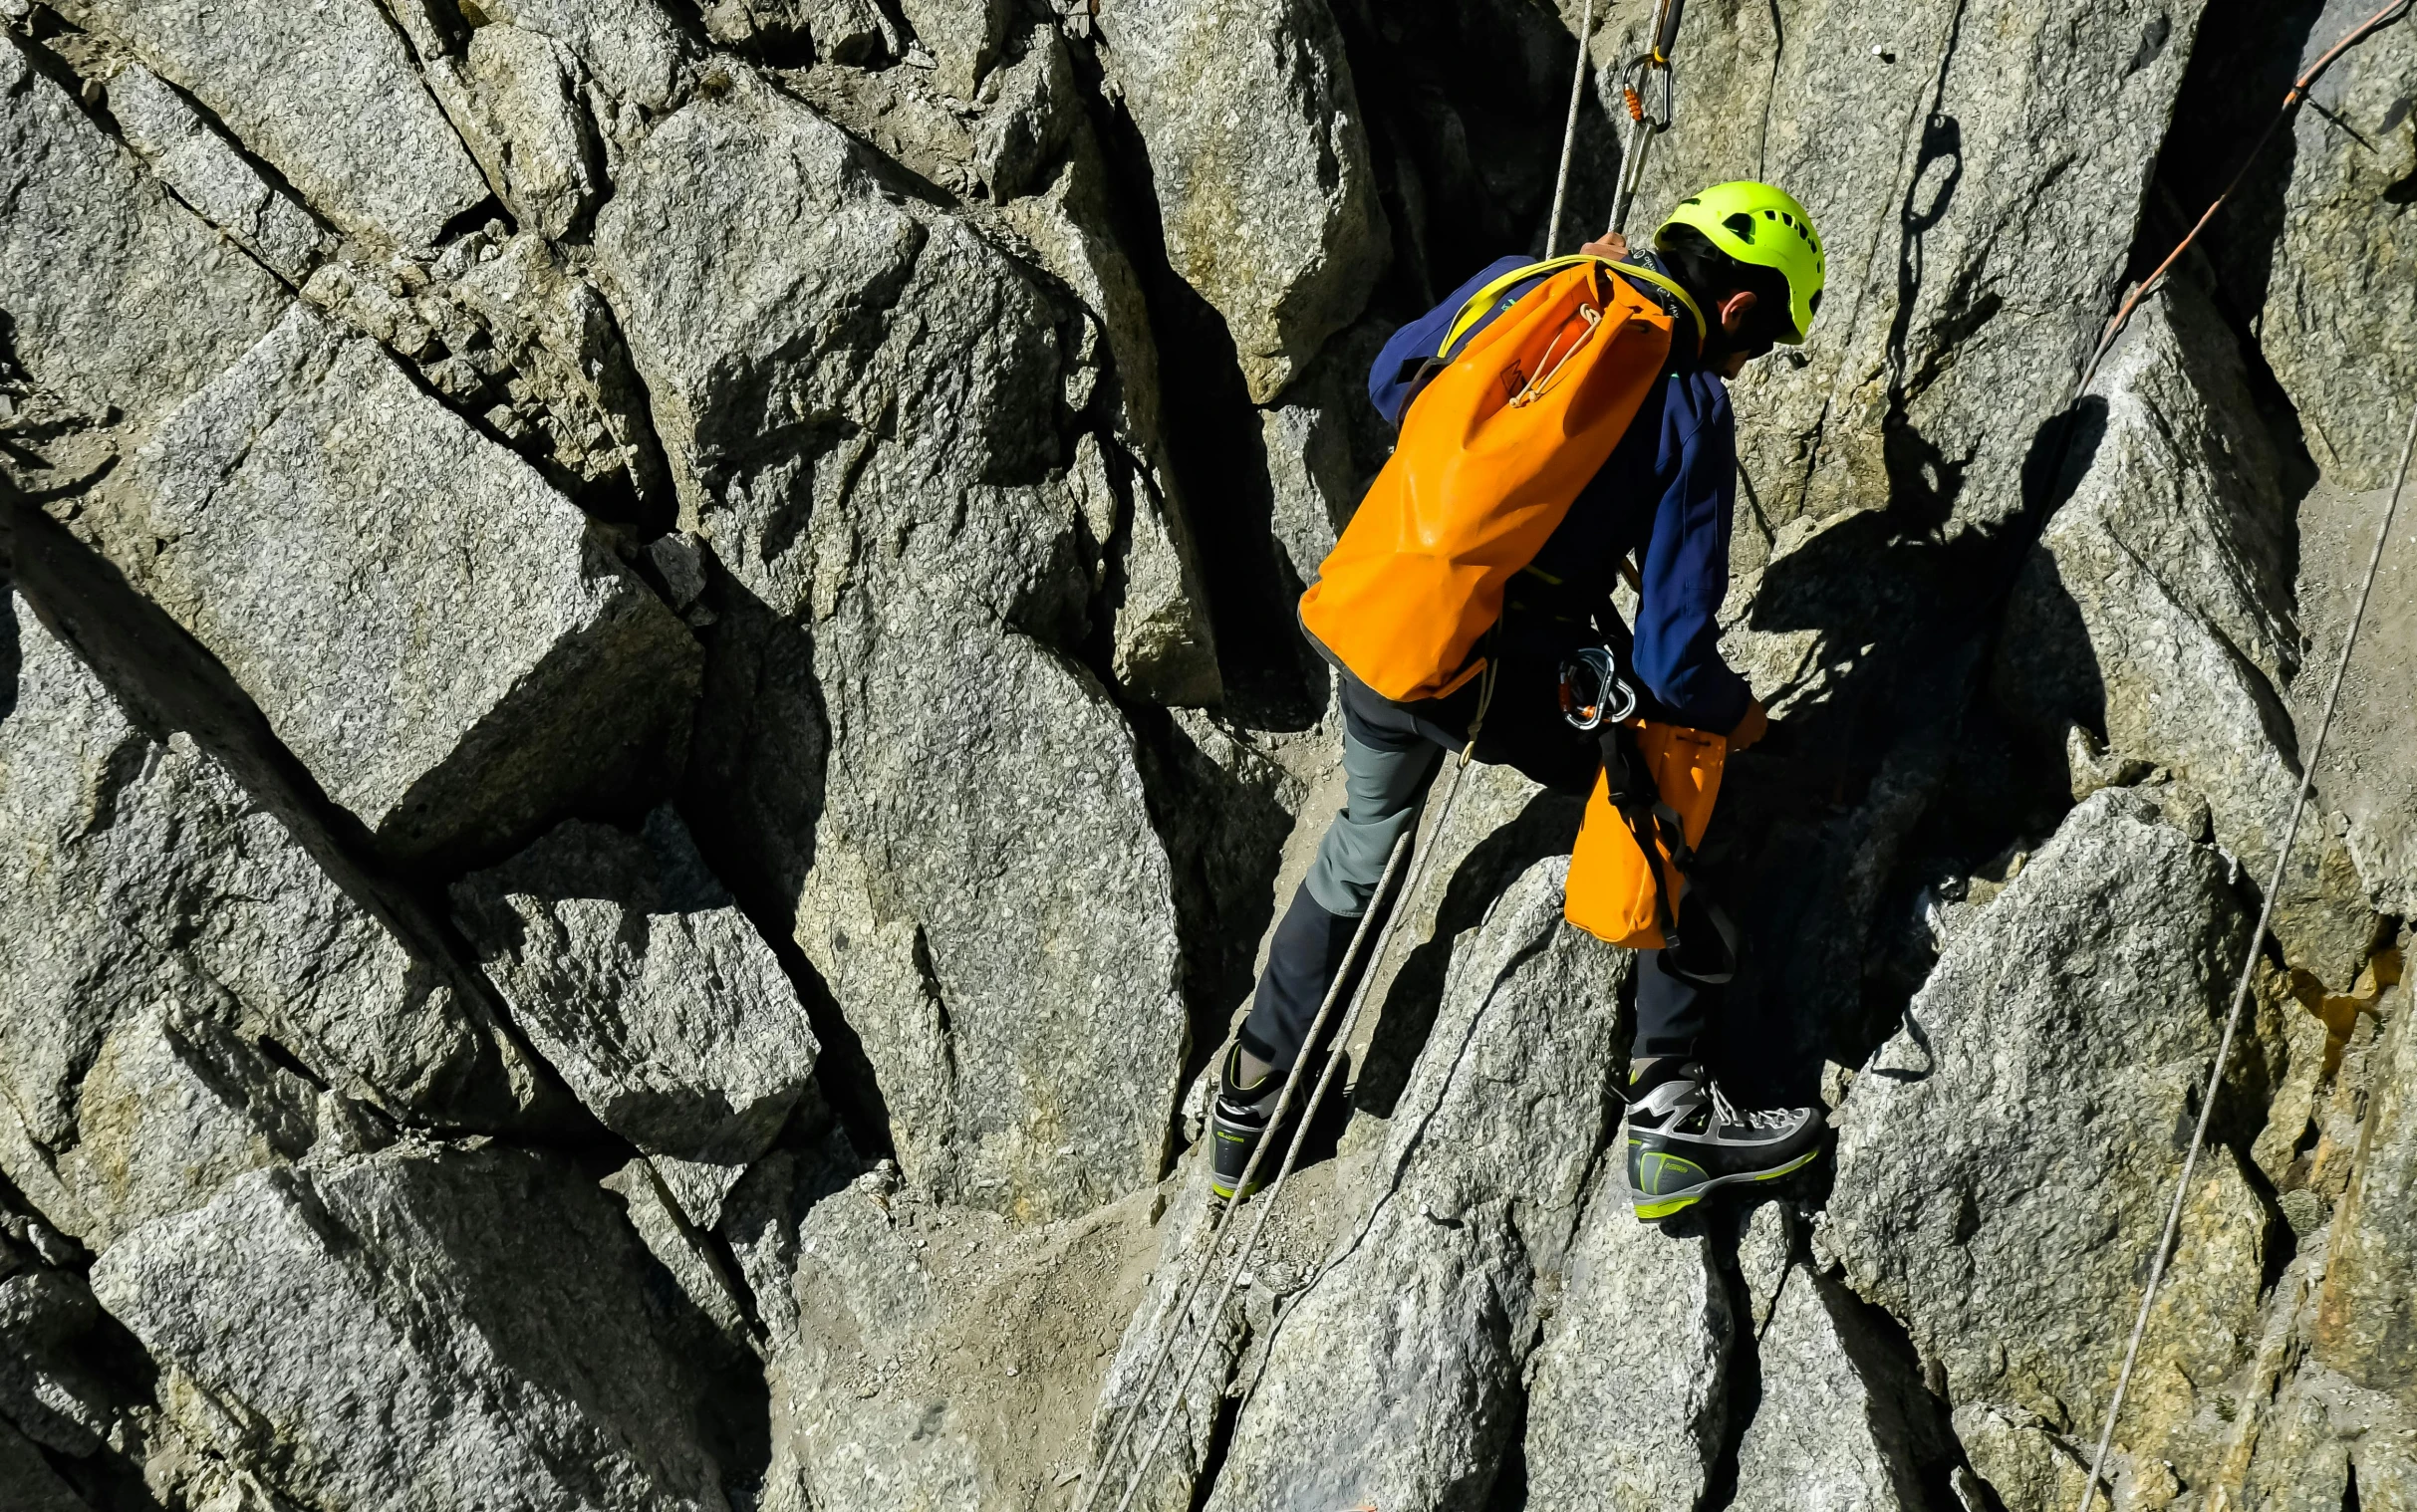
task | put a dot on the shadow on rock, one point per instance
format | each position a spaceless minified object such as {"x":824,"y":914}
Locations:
{"x":1816,"y":826}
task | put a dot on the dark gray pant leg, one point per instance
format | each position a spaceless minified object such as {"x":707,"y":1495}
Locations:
{"x":1386,"y":775}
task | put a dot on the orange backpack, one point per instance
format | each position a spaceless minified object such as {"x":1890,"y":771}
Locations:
{"x":1493,"y":453}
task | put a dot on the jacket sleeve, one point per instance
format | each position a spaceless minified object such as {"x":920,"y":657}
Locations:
{"x":1686,"y":574}
{"x":1394,"y":379}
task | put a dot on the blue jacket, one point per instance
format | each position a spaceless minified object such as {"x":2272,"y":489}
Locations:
{"x":1670,"y":486}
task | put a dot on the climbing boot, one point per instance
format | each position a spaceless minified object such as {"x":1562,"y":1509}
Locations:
{"x":1238,"y":1124}
{"x":1686,"y":1138}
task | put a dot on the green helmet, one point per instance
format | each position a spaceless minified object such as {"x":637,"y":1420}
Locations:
{"x":1756,"y":223}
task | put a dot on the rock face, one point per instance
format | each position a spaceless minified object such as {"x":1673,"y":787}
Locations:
{"x":1259,"y":158}
{"x":119,"y":300}
{"x":435,"y":632}
{"x":2338,"y":281}
{"x":160,"y":929}
{"x":211,"y":174}
{"x":651,"y":725}
{"x":2366,"y":770}
{"x":1841,"y":1421}
{"x":467,"y":1323}
{"x":2003,"y":1129}
{"x":329,"y":96}
{"x":949,"y":809}
{"x":1478,"y":1194}
{"x":638,"y":978}
{"x":2155,"y":610}
{"x":939,"y":1358}
{"x":1949,"y":353}
{"x":1629,"y":1281}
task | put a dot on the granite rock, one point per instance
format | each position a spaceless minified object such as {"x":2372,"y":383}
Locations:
{"x":1628,"y":1282}
{"x":329,"y":95}
{"x":121,"y":301}
{"x":1840,"y":1423}
{"x":2367,"y":773}
{"x":635,"y":976}
{"x":521,"y":119}
{"x":1924,"y":143}
{"x":939,"y":1357}
{"x":1394,"y":1377}
{"x":630,"y":50}
{"x":2156,"y":609}
{"x":433,"y":630}
{"x":860,"y":397}
{"x":207,"y":173}
{"x":2034,"y":1106}
{"x":1260,"y":165}
{"x":166,"y":938}
{"x":469,"y":1323}
{"x":2340,"y":296}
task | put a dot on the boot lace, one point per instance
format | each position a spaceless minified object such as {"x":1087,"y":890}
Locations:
{"x":1753,"y":1118}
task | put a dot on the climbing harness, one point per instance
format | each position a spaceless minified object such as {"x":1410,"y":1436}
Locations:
{"x":2292,"y":101}
{"x":1175,"y":1314}
{"x":1648,"y":73}
{"x":2248,"y":970}
{"x":1570,"y":133}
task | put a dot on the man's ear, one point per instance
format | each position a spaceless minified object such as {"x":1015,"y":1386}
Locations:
{"x":1736,"y":311}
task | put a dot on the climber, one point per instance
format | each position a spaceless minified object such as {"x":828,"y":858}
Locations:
{"x":1746,"y":257}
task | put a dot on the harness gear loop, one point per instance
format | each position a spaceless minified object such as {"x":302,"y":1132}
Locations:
{"x":2249,"y":971}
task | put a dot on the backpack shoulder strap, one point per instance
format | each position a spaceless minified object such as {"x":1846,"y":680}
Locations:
{"x":1474,"y":308}
{"x":1675,"y":290}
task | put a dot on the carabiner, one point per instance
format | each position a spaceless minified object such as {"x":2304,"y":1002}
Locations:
{"x":1593,"y":693}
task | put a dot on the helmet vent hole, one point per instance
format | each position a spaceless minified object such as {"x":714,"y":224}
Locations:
{"x":1743,"y":224}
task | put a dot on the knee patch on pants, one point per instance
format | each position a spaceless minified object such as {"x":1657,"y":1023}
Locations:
{"x":1351,"y":860}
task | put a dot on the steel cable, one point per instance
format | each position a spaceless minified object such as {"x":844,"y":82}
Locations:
{"x":1334,"y":1059}
{"x":2249,"y":971}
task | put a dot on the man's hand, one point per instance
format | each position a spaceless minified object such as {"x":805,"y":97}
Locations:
{"x":1751,"y":728}
{"x":1610,"y":244}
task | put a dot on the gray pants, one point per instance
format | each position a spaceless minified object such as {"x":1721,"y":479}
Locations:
{"x":1384,"y":791}
{"x":1391,"y":755}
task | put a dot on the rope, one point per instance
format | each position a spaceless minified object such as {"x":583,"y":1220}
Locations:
{"x":1179,"y":1299}
{"x":2290,"y":103}
{"x":1300,"y":1134}
{"x":2248,"y":968}
{"x":1570,"y":133}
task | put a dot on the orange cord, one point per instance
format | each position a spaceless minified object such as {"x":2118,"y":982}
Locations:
{"x":2290,"y":103}
{"x":1636,"y":107}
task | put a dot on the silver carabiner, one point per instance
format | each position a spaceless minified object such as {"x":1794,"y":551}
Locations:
{"x":1593,"y":693}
